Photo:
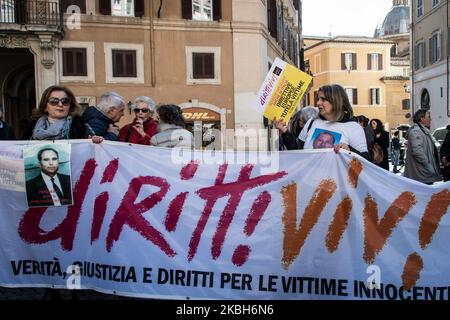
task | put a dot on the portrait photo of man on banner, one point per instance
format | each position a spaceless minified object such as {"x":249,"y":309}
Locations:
{"x":48,"y":175}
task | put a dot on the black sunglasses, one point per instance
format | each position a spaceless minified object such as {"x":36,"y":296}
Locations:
{"x":56,"y":101}
{"x":136,"y":110}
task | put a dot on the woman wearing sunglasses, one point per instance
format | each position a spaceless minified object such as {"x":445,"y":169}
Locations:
{"x":58,"y":117}
{"x":143,"y":127}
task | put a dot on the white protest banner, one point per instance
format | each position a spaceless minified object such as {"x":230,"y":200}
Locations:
{"x":143,"y":224}
{"x":11,"y":169}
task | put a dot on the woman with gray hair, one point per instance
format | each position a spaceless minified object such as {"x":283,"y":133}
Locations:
{"x":295,"y":126}
{"x":300,"y":118}
{"x":143,"y":127}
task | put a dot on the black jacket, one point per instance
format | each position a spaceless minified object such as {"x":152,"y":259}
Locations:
{"x":39,"y":196}
{"x":383,"y":142}
{"x":99,"y":123}
{"x":445,"y":148}
{"x":6,"y":132}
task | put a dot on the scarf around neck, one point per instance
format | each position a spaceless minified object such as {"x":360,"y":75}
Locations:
{"x":58,"y":130}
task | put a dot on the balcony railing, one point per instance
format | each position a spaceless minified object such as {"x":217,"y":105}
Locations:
{"x":28,"y":12}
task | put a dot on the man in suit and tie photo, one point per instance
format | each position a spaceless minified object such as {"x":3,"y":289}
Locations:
{"x":49,"y":188}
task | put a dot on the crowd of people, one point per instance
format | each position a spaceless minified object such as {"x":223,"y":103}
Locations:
{"x":334,"y":125}
{"x":330,"y":124}
{"x":57,"y":118}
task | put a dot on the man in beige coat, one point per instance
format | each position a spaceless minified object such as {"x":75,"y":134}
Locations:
{"x":422,"y":159}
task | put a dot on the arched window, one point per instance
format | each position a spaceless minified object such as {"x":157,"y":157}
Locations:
{"x":425,"y":99}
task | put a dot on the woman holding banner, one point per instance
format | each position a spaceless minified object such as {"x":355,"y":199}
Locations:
{"x":57,"y":118}
{"x":335,"y":118}
{"x":143,"y":127}
{"x":171,"y":129}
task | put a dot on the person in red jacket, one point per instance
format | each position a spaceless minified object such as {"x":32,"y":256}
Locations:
{"x":143,"y":127}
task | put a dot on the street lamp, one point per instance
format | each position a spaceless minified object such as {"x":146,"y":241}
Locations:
{"x":407,"y":87}
{"x":130,"y":106}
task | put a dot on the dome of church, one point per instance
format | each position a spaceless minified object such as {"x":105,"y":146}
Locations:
{"x":396,"y":21}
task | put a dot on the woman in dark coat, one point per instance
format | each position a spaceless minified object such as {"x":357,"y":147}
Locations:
{"x":382,"y":139}
{"x":58,"y":117}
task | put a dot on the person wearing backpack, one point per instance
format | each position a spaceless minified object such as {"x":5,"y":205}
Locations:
{"x":381,"y":144}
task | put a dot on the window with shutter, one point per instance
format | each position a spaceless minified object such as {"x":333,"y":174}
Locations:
{"x":349,"y":92}
{"x":74,"y":62}
{"x":105,"y":7}
{"x":139,"y":8}
{"x":434,"y":48}
{"x":419,"y":57}
{"x":272,"y":17}
{"x":355,"y":96}
{"x":419,"y":8}
{"x":375,"y":96}
{"x":203,"y":65}
{"x":448,"y":41}
{"x":354,"y":62}
{"x":124,"y":63}
{"x":373,"y":61}
{"x":348,"y":61}
{"x":217,"y":10}
{"x":186,"y":9}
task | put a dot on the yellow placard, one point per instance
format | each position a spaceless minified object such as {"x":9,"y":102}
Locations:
{"x":291,"y":87}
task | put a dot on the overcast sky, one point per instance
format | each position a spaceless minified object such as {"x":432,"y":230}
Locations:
{"x":344,"y":17}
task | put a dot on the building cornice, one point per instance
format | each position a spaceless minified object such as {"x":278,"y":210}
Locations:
{"x":350,"y":40}
{"x":350,"y":47}
{"x":394,"y":78}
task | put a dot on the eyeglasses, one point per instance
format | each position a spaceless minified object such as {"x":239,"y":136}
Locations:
{"x":55,"y":101}
{"x":137,"y":110}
